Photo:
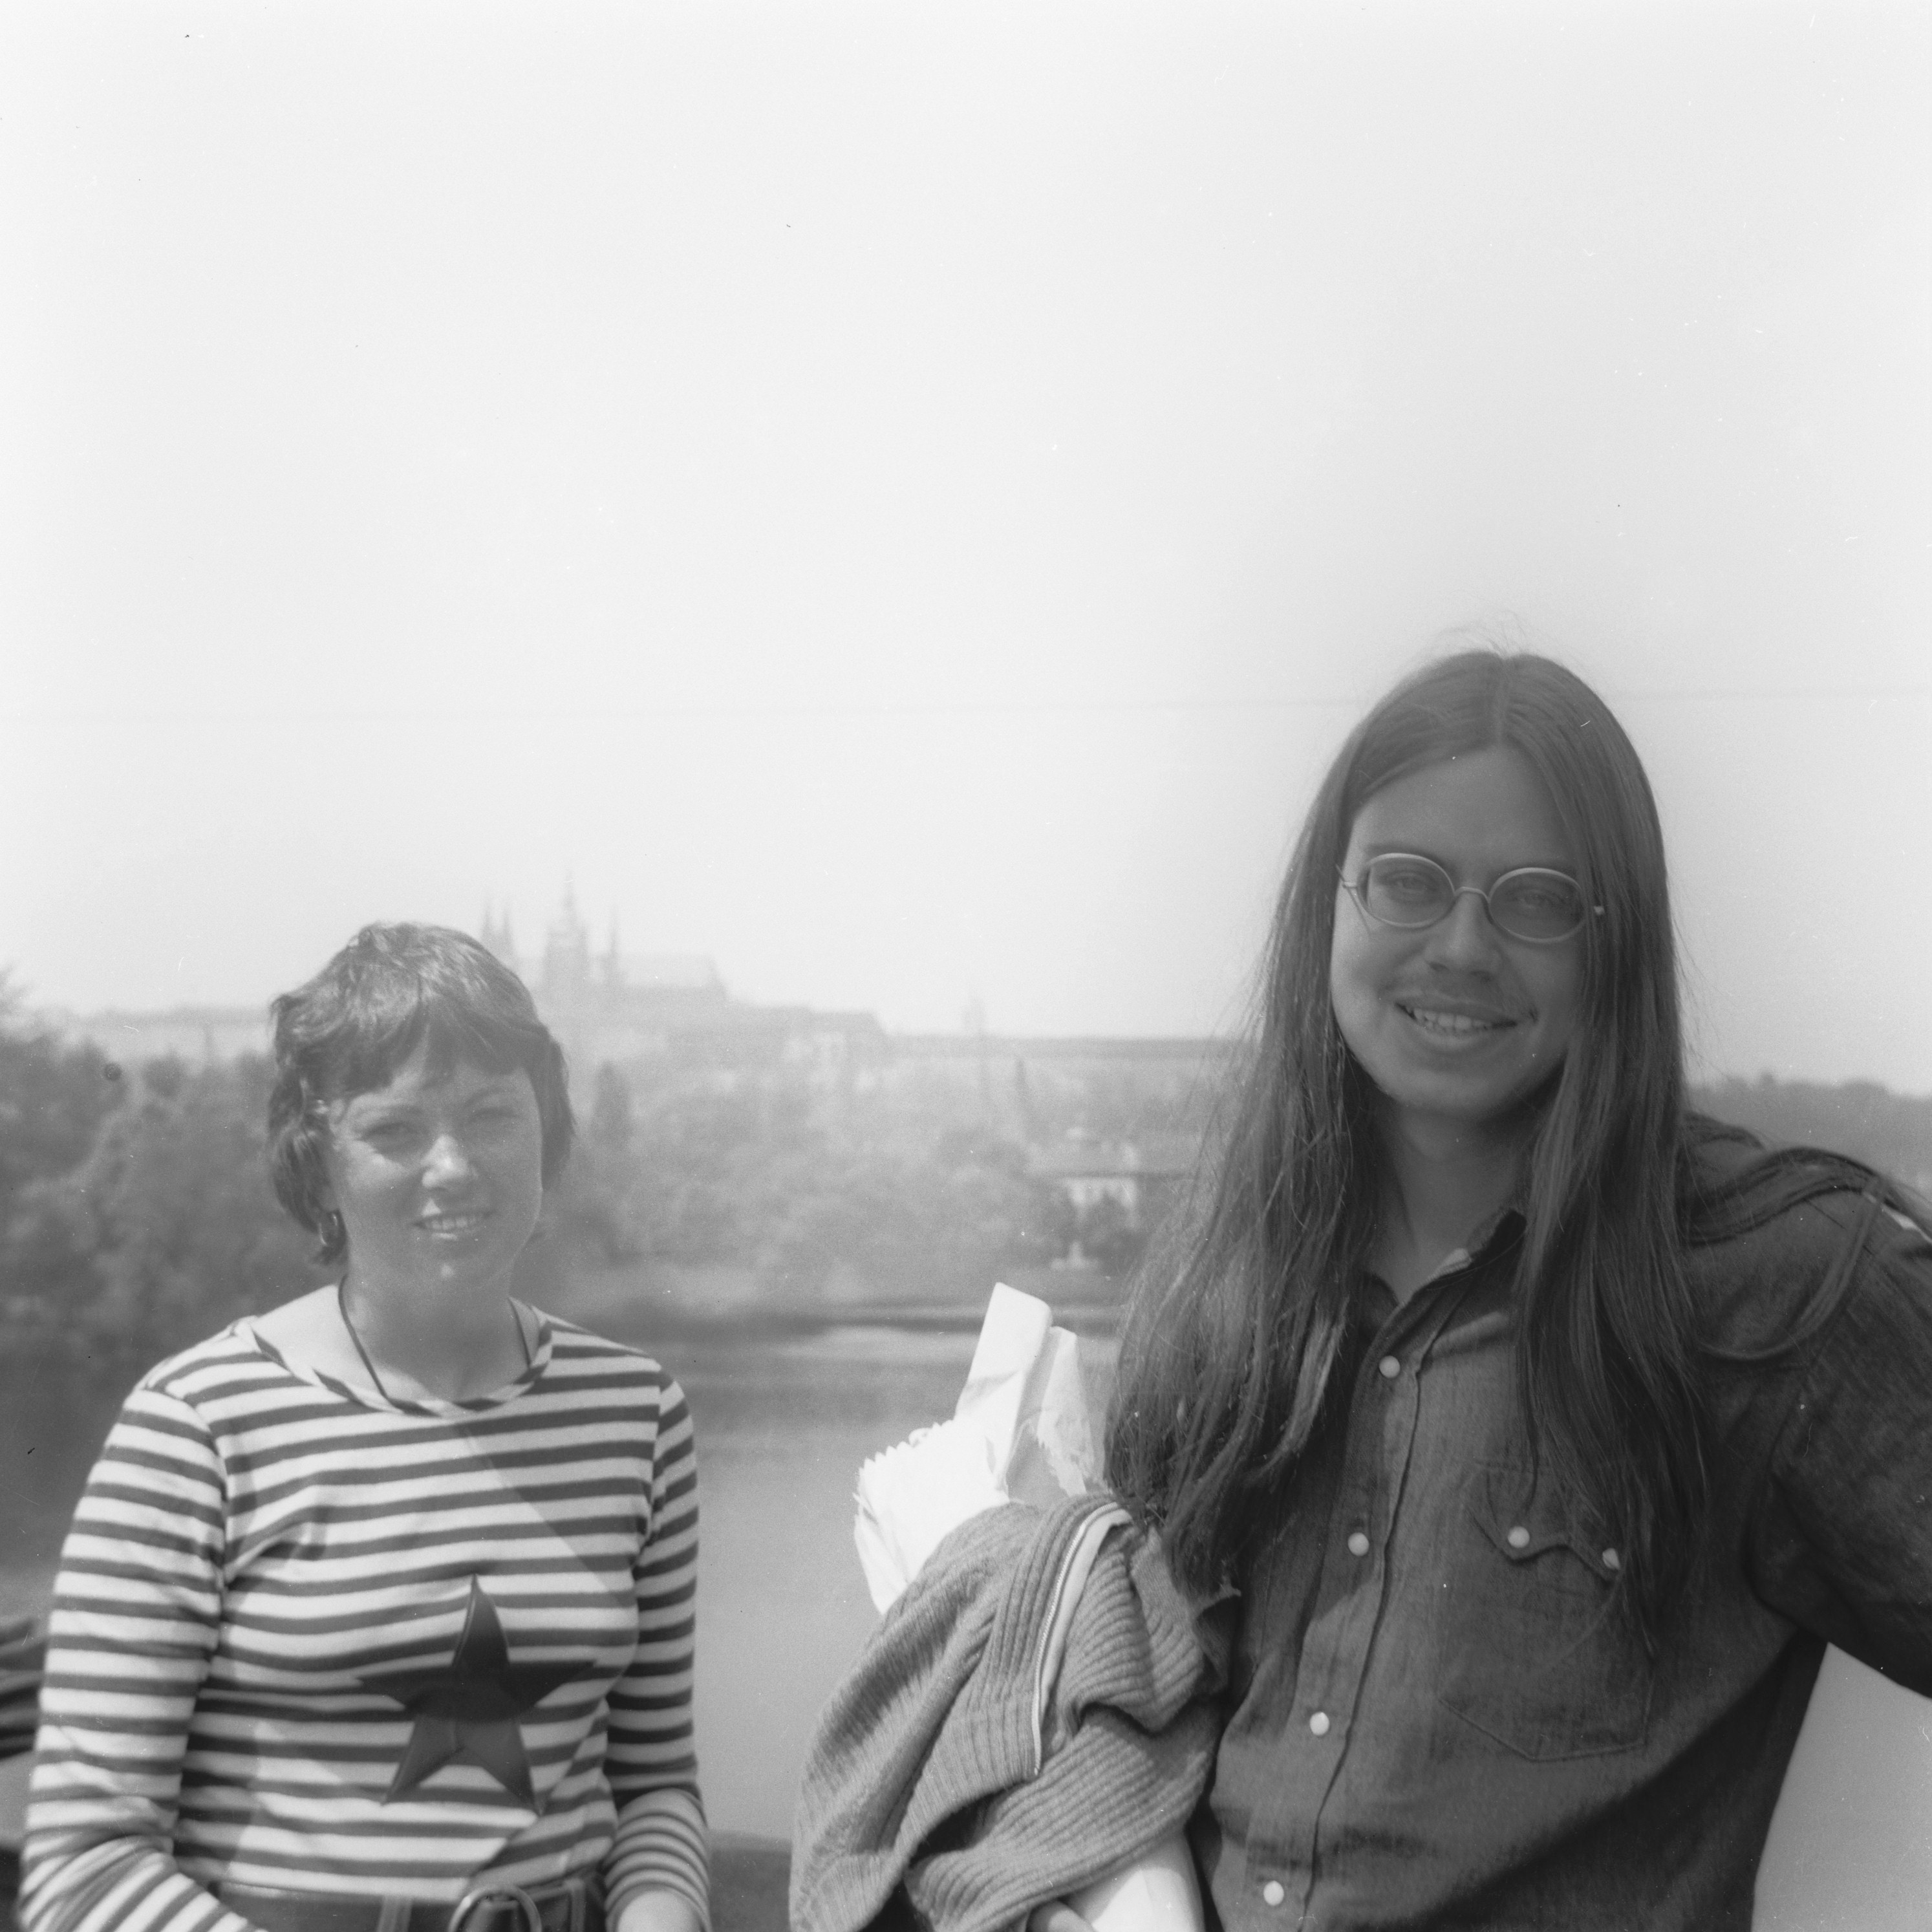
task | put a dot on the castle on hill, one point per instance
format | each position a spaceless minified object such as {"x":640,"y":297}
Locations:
{"x":671,"y":1013}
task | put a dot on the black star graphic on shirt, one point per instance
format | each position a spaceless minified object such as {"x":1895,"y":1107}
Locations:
{"x":466,"y":1710}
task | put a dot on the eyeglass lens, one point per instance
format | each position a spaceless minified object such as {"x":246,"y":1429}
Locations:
{"x":1529,"y":903}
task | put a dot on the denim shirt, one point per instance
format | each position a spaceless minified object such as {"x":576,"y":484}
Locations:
{"x":1437,"y":1718}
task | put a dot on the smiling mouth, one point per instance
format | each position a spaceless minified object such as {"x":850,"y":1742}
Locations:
{"x":1453,"y":1026}
{"x":452,"y":1224}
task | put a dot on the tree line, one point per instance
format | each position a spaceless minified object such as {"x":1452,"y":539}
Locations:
{"x":136,"y":1213}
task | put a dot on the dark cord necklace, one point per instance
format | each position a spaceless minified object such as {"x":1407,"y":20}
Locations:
{"x":342,"y":1304}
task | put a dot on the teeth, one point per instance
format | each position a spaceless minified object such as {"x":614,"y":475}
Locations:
{"x":1454,"y":1023}
{"x":451,"y":1224}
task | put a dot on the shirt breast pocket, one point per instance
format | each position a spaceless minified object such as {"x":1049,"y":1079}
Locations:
{"x":1545,"y":1659}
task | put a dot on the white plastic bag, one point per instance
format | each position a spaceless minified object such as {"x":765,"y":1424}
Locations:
{"x":1156,"y":1892}
{"x":1021,"y":1431}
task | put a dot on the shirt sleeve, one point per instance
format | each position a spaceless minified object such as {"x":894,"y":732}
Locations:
{"x":136,"y":1608}
{"x":1844,"y":1534}
{"x":651,"y":1757}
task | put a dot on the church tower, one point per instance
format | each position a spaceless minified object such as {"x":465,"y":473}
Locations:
{"x":566,"y":966}
{"x":566,"y":994}
{"x":496,"y":935}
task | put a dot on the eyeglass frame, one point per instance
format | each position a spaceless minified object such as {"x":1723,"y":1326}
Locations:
{"x":1456,"y":891}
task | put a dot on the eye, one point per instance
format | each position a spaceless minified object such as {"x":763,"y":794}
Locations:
{"x":1538,"y":905}
{"x":1412,"y":884}
{"x":1551,"y":895}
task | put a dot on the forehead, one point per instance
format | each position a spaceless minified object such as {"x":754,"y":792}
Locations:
{"x":426,"y":1077}
{"x":1484,"y":810}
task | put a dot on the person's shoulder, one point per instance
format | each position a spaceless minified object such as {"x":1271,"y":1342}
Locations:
{"x":1776,"y":1239}
{"x":1739,"y":1192}
{"x":571,"y":1338}
{"x":217,"y":1363}
{"x":580,"y":1353}
{"x":182,"y":1408}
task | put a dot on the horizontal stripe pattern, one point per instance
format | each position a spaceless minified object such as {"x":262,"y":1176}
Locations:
{"x":260,"y":1551}
{"x":19,"y":1684}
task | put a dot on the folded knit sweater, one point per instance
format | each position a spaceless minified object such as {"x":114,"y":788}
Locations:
{"x":938,"y":1767}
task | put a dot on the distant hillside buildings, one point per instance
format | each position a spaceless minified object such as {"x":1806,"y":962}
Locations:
{"x":1138,"y":1176}
{"x":670,"y":1012}
{"x":668,"y":1018}
{"x":667,"y":1011}
{"x":1095,"y":1117}
{"x":199,"y":1035}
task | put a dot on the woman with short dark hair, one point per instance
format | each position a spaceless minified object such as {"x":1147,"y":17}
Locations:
{"x":1534,"y":1436}
{"x":377,"y":1611}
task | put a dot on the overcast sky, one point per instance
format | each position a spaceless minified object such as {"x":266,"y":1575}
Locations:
{"x":904,"y":500}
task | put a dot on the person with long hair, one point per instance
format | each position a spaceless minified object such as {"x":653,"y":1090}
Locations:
{"x":1524,"y":1437}
{"x":377,"y":1615}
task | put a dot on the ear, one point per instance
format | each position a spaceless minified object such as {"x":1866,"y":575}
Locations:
{"x":317,"y":1162}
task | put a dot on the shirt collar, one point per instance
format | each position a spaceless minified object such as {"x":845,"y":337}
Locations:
{"x":1493,"y":1232}
{"x":1489,"y":1237}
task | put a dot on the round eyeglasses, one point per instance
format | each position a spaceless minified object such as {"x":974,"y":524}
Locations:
{"x":1406,"y":891}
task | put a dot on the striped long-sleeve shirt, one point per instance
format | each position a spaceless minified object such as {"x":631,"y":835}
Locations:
{"x":308,"y":1639}
{"x":21,"y":1644}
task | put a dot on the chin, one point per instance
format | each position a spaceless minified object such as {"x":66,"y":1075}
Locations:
{"x":1468,"y":1103}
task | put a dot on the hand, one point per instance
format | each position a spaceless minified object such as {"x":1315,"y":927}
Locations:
{"x":1056,"y":1915}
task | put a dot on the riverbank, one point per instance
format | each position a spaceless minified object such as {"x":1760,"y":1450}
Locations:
{"x":655,"y":1302}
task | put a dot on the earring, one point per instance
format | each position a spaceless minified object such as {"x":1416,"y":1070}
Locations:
{"x":330,"y":1228}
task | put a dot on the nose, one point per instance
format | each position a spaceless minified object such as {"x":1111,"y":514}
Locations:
{"x":447,"y":1161}
{"x":1463,"y":938}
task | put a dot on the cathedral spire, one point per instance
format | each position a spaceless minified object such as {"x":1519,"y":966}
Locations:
{"x":495,"y":933}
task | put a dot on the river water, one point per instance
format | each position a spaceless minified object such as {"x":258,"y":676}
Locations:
{"x":784,"y":1422}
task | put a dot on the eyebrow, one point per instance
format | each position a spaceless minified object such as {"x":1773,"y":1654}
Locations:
{"x":496,"y":1087}
{"x":495,"y":1083}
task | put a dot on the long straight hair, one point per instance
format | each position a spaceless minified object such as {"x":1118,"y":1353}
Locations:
{"x":1231,"y":1346}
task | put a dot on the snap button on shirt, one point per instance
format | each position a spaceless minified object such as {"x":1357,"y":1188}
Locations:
{"x":1518,"y":1537}
{"x":1358,"y":1545}
{"x":1319,"y":1724}
{"x":1390,"y":1367}
{"x":1271,"y":1893}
